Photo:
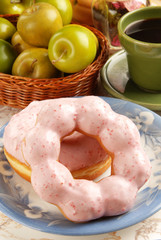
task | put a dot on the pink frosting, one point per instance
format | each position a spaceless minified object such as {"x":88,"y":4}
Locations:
{"x":35,"y":135}
{"x":79,"y":151}
{"x":86,"y":151}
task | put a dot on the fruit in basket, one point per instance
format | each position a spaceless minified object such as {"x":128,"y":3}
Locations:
{"x":72,"y":48}
{"x":14,"y":6}
{"x":18,"y":44}
{"x":7,"y":56}
{"x":38,"y":23}
{"x":64,"y":7}
{"x":7,"y":29}
{"x":34,"y":63}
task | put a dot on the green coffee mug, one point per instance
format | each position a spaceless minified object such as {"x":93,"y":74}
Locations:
{"x":144,"y":58}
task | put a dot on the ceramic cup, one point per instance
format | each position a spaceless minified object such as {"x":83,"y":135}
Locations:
{"x":144,"y":58}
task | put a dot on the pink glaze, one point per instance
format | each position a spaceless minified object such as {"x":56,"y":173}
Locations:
{"x":79,"y":151}
{"x":86,"y":151}
{"x":79,"y":200}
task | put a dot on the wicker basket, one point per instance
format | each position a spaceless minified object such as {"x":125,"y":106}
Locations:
{"x":18,"y":91}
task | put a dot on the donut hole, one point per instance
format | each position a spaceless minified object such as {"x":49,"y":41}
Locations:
{"x":83,"y":156}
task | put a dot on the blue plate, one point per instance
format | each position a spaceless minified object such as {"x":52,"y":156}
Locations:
{"x":19,"y":202}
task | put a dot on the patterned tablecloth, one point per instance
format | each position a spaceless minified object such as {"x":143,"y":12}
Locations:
{"x":149,"y":229}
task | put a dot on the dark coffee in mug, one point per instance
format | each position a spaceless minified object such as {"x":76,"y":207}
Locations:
{"x":146,"y":30}
{"x":143,"y":57}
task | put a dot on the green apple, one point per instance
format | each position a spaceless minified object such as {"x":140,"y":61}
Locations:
{"x":38,"y":23}
{"x":34,"y":63}
{"x":64,"y":7}
{"x":72,"y":48}
{"x":18,"y":44}
{"x":14,"y":6}
{"x":7,"y":56}
{"x":7,"y":29}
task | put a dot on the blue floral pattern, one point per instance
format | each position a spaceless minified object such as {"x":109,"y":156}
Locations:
{"x":19,"y":201}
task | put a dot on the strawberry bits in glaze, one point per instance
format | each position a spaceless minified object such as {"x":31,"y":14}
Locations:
{"x":34,"y":137}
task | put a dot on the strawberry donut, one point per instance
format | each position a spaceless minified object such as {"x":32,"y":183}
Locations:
{"x":82,"y":155}
{"x":36,"y":138}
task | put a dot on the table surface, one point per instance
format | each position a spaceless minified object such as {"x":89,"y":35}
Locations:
{"x":149,"y":229}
